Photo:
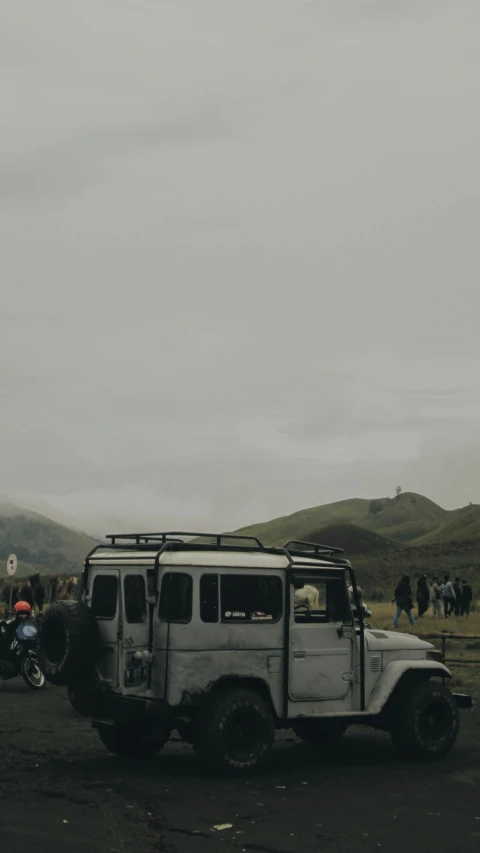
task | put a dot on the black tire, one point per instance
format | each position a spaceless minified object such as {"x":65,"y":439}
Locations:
{"x":234,"y":732}
{"x":32,"y":673}
{"x":320,"y":732}
{"x":425,"y":721}
{"x":135,"y":741}
{"x":68,"y":643}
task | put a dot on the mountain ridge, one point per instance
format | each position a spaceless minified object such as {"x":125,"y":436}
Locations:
{"x":405,"y":517}
{"x":385,"y":537}
{"x":40,"y":543}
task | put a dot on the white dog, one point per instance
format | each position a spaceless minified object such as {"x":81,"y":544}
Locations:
{"x":307,"y":595}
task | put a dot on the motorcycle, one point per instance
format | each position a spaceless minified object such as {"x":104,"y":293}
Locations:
{"x":19,"y":656}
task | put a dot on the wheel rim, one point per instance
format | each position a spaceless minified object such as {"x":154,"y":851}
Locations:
{"x":435,"y":722}
{"x":244,"y":735}
{"x":33,"y":672}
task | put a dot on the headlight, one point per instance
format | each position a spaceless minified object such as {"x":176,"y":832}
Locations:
{"x":435,"y":654}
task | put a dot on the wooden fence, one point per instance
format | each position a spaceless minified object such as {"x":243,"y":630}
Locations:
{"x":444,"y":638}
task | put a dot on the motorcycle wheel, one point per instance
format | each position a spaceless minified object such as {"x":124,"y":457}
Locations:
{"x":31,"y":672}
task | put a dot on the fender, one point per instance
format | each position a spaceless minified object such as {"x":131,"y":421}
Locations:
{"x":392,"y":674}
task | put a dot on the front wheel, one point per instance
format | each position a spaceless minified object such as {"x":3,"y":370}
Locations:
{"x":130,"y":740}
{"x":425,"y":721}
{"x":234,"y":732}
{"x":31,"y":672}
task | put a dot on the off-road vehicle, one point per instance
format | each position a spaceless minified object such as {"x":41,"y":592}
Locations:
{"x":201,"y":634}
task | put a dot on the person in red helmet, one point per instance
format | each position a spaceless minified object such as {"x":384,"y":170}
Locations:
{"x":22,"y":612}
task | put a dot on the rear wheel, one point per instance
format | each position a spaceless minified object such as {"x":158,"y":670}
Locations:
{"x":320,"y":732}
{"x":425,"y":721}
{"x":234,"y":732}
{"x":31,"y":672}
{"x":131,"y":740}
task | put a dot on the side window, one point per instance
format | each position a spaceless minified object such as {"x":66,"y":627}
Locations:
{"x":176,"y":598}
{"x":104,"y":596}
{"x":322,"y":601}
{"x":135,"y":598}
{"x":209,"y":598}
{"x":250,"y":598}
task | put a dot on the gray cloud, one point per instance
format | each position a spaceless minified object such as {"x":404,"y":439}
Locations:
{"x":239,"y":254}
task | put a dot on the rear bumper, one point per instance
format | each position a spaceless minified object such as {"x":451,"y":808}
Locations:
{"x":109,"y":707}
{"x":463,"y":700}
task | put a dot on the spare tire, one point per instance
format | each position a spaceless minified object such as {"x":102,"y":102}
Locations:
{"x":68,"y":643}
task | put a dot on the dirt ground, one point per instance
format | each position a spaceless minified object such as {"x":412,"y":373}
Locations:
{"x":61,"y":791}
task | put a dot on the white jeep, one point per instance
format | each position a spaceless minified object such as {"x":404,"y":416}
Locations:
{"x":204,"y":635}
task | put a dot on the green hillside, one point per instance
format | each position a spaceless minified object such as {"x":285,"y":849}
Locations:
{"x":464,"y":525}
{"x":403,"y":518}
{"x":388,"y":537}
{"x":353,"y":539}
{"x":41,"y":545}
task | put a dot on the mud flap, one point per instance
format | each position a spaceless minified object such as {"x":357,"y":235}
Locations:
{"x":463,"y":700}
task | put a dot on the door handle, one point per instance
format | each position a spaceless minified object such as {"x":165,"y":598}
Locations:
{"x":128,"y":641}
{"x":299,"y":654}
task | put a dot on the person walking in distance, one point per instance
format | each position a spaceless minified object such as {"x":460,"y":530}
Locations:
{"x":26,"y":594}
{"x":448,"y":593}
{"x":54,"y":588}
{"x":403,"y":600}
{"x":39,"y":593}
{"x":437,"y":598}
{"x":457,"y":588}
{"x":467,"y":597}
{"x":423,"y":595}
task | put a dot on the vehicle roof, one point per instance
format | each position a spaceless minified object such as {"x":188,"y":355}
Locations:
{"x":208,"y":558}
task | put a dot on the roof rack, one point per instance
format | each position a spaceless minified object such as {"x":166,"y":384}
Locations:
{"x":313,"y":546}
{"x":174,"y":536}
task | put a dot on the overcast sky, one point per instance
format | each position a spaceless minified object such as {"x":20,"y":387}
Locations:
{"x":239,"y":248}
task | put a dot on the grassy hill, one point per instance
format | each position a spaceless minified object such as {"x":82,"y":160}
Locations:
{"x":463,"y":526}
{"x":41,"y":545}
{"x":353,"y":539}
{"x":388,"y":537}
{"x":404,"y":518}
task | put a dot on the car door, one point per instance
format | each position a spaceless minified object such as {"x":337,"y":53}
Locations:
{"x":170,"y":625}
{"x":104,"y":600}
{"x":321,"y":642}
{"x":134,"y":639}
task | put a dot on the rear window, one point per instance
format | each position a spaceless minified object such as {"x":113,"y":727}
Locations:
{"x":250,"y":598}
{"x":176,"y":598}
{"x":135,"y":598}
{"x":104,"y":596}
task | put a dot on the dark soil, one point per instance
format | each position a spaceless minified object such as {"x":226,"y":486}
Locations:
{"x":60,"y":791}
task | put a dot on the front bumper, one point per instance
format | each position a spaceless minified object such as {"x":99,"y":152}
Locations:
{"x":463,"y":700}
